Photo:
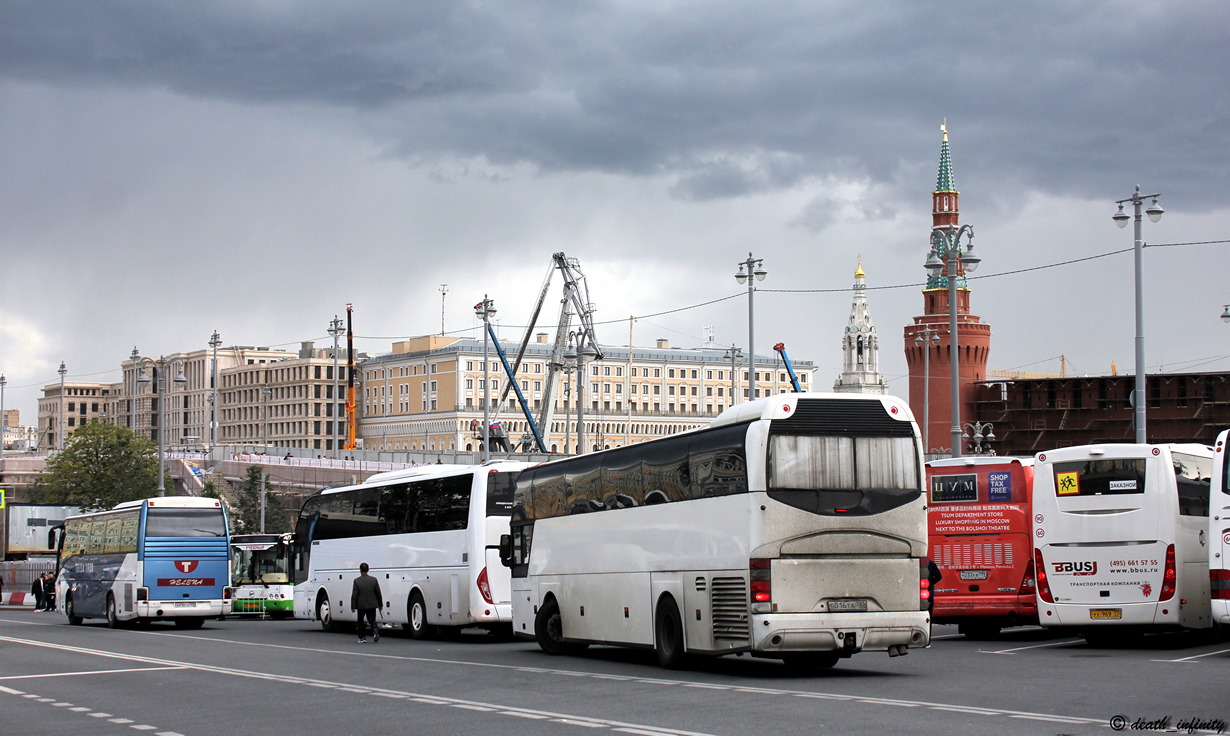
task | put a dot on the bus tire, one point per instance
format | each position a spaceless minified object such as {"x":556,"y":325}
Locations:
{"x":668,"y":635}
{"x":324,"y":613}
{"x":71,"y":612}
{"x":549,"y":629}
{"x":113,"y":619}
{"x":806,"y":663}
{"x":417,"y":618}
{"x":194,"y":622}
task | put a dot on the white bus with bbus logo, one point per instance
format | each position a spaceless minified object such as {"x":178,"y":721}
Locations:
{"x":1120,"y":538}
{"x":1219,"y":532}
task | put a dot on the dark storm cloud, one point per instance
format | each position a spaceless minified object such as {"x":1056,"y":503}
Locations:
{"x":732,"y":98}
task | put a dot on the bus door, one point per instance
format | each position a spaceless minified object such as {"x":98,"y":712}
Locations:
{"x":980,"y":538}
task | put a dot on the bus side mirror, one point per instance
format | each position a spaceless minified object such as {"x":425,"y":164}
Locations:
{"x":506,"y":551}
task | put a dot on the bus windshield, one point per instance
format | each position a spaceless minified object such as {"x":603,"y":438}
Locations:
{"x":843,"y":475}
{"x":185,"y":522}
{"x":257,"y":566}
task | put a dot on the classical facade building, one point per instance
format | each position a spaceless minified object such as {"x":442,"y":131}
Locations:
{"x":428,"y":394}
{"x":59,"y":414}
{"x":860,"y":347}
{"x":928,"y":339}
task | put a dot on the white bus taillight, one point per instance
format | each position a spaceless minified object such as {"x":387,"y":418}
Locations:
{"x":762,"y":582}
{"x":1219,"y":585}
{"x":1169,"y":575}
{"x":484,"y":586}
{"x":1044,"y":587}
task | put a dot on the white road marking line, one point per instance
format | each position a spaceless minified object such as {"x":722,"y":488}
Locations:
{"x":97,"y":714}
{"x":121,"y":721}
{"x":561,"y":718}
{"x":90,"y":672}
{"x":1034,"y":646}
{"x":1194,"y":656}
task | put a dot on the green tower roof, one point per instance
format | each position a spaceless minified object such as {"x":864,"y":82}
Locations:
{"x":943,"y":182}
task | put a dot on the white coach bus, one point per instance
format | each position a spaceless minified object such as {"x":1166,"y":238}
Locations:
{"x":430,"y":536}
{"x":1120,"y":538}
{"x":1219,"y":532}
{"x":793,"y":527}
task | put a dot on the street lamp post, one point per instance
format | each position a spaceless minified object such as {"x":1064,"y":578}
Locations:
{"x":979,"y":432}
{"x":4,"y":425}
{"x":61,"y":432}
{"x":1121,"y":219}
{"x":214,"y":341}
{"x":755,"y":272}
{"x":1225,"y":315}
{"x":443,"y":293}
{"x":336,"y":330}
{"x":132,"y":402}
{"x":162,"y":364}
{"x":734,"y":354}
{"x":485,"y":310}
{"x":925,"y":339}
{"x":947,"y":254}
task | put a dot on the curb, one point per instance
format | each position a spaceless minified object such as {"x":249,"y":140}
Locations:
{"x":17,"y":599}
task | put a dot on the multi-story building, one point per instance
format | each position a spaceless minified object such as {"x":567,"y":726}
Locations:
{"x":59,"y":414}
{"x":188,"y":401}
{"x":428,"y":394}
{"x":292,"y":402}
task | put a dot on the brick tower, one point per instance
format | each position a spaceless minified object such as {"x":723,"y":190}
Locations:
{"x":932,"y":404}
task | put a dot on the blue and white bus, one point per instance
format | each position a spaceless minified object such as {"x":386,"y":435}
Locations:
{"x":142,"y":561}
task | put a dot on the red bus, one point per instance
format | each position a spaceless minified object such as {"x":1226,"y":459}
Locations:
{"x":979,"y":536}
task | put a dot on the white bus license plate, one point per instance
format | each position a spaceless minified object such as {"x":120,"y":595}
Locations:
{"x":184,"y":604}
{"x":1105,"y":613}
{"x":850,"y":605}
{"x":973,"y":574}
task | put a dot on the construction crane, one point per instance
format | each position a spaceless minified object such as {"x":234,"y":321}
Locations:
{"x":574,"y":304}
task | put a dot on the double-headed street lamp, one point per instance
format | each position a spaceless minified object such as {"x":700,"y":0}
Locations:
{"x":979,"y":432}
{"x":1121,"y":219}
{"x":755,"y":272}
{"x":948,"y":255}
{"x":161,"y":365}
{"x":1225,"y":316}
{"x":925,"y":339}
{"x":62,"y":433}
{"x":574,"y":360}
{"x":485,"y":310}
{"x":214,"y":341}
{"x":336,"y":330}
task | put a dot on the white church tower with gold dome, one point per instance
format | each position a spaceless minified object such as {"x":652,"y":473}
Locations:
{"x":860,"y":347}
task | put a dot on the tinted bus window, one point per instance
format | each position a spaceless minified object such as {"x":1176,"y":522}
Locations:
{"x":1194,"y":479}
{"x":621,"y":478}
{"x":500,"y":488}
{"x":1100,"y":477}
{"x":443,"y":503}
{"x":667,"y":473}
{"x":176,"y":523}
{"x":717,"y":464}
{"x":584,"y":479}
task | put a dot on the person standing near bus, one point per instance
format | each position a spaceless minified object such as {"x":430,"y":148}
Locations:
{"x":37,"y":589}
{"x":49,"y":591}
{"x":365,"y":598}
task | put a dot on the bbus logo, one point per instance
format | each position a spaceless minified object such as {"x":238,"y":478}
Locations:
{"x":186,"y":566}
{"x":1076,"y":568}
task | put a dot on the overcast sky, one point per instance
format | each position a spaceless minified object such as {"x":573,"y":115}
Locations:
{"x":169,"y":169}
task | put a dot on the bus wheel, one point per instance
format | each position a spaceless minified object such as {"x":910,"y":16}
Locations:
{"x":668,"y":635}
{"x":325,"y":614}
{"x":417,"y":625}
{"x":549,"y":629}
{"x":71,"y":612}
{"x":113,"y":620}
{"x":194,"y":622}
{"x":806,"y":663}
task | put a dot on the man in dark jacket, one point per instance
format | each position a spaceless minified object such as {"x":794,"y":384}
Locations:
{"x":37,"y":589}
{"x":365,"y":598}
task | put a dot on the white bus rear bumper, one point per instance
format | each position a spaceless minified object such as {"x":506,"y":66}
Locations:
{"x":780,"y":633}
{"x":180,"y":609}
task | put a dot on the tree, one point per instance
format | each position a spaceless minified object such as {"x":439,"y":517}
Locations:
{"x":100,"y":466}
{"x":247,"y":518}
